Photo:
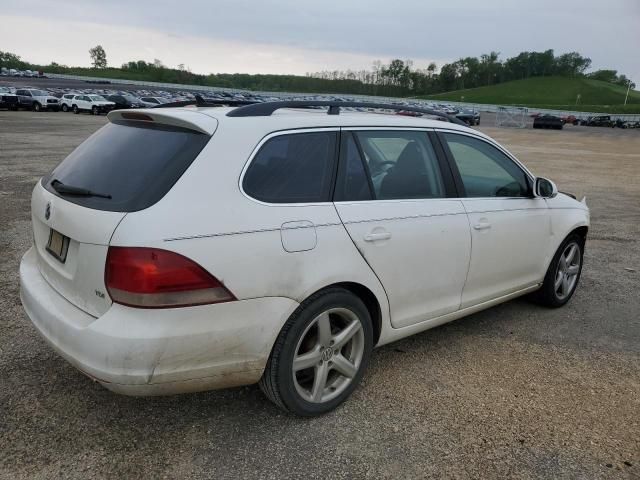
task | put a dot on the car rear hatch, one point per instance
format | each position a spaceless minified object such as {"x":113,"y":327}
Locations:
{"x":126,"y":166}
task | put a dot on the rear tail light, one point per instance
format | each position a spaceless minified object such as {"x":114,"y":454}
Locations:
{"x":154,"y":278}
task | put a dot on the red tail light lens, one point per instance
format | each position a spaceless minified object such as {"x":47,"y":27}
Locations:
{"x":154,"y":278}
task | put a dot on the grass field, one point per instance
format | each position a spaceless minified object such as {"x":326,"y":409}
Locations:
{"x":552,"y":92}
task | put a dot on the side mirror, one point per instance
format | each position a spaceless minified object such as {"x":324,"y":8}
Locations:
{"x":545,"y":188}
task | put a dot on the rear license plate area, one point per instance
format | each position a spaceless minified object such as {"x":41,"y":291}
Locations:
{"x":58,"y":245}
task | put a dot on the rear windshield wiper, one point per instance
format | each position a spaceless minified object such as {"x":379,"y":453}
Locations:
{"x":63,"y":189}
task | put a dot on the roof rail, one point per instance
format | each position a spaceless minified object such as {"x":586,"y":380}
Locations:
{"x":267,"y":108}
{"x":201,"y":102}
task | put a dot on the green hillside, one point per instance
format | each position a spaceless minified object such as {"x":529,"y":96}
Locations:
{"x":551,"y":92}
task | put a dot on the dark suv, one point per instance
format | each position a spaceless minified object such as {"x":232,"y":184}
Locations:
{"x":125,"y":101}
{"x":8,"y":99}
{"x":598,"y":121}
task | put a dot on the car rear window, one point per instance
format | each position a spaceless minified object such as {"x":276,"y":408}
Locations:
{"x":135,"y":164}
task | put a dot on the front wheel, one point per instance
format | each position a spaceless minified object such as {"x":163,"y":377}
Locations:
{"x":320,"y":355}
{"x":75,"y":109}
{"x":95,"y":111}
{"x":37,"y":107}
{"x":563,"y":274}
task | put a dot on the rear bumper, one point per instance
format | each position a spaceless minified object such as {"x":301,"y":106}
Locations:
{"x":157,"y":352}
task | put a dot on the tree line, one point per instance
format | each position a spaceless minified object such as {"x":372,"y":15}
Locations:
{"x":396,"y":78}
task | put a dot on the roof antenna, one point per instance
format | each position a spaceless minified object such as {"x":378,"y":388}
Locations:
{"x":200,"y":101}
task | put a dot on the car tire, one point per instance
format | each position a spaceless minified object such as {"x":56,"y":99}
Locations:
{"x":75,"y":109}
{"x":563,"y":274}
{"x":37,"y":107}
{"x":95,"y":111}
{"x":65,"y":108}
{"x":320,"y":354}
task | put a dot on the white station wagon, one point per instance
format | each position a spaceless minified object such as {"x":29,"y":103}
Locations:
{"x":186,"y":249}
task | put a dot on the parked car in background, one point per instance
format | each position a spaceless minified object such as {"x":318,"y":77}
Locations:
{"x":572,"y":119}
{"x":66,"y":101}
{"x":153,"y":101}
{"x":548,"y":121}
{"x":8,"y":99}
{"x":469,"y":116}
{"x":371,"y":242}
{"x":598,"y":121}
{"x":37,"y":100}
{"x":125,"y":101}
{"x":96,"y":104}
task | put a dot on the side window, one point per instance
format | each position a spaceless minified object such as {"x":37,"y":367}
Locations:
{"x":293,"y":168}
{"x":401,"y":164}
{"x":353,"y":182}
{"x":485,"y":170}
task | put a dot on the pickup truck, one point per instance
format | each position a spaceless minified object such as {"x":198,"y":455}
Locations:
{"x":36,"y":100}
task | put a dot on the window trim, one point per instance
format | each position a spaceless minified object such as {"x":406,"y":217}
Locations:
{"x":447,"y":176}
{"x":456,"y":173}
{"x":293,"y":131}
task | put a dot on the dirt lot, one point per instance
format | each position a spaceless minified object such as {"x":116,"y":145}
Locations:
{"x":517,"y":391}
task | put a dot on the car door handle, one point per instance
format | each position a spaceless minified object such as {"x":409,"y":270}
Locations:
{"x":482,"y":226}
{"x":373,"y":237}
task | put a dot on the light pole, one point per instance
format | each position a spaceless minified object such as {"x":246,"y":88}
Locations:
{"x":627,"y":95}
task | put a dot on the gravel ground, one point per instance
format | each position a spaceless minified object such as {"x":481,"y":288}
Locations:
{"x":517,"y":391}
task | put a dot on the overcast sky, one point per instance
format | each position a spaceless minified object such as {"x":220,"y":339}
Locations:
{"x":297,"y":36}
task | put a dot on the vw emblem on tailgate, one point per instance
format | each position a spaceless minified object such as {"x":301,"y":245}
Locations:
{"x":47,"y":211}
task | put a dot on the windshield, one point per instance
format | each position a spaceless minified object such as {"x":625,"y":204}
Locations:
{"x":96,"y":98}
{"x":38,"y":93}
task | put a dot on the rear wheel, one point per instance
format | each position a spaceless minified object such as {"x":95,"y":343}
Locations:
{"x":320,"y":355}
{"x":75,"y":109}
{"x":563,"y":273}
{"x":37,"y":107}
{"x":65,"y":108}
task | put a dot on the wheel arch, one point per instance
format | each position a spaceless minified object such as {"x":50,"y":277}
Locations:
{"x":581,"y":229}
{"x":368,"y":298}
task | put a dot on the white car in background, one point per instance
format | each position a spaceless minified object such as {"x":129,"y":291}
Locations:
{"x":66,"y":101}
{"x":96,"y":104}
{"x":186,"y":249}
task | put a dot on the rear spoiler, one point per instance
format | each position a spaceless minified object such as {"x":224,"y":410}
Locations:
{"x":189,"y":119}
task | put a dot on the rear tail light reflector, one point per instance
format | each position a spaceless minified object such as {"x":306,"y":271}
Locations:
{"x":154,"y":278}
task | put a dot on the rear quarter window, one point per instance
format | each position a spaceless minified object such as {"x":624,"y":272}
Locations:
{"x":293,"y":168}
{"x":135,"y":164}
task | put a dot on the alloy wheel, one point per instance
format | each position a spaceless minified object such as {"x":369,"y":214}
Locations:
{"x":328,"y":355}
{"x":567,"y":270}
